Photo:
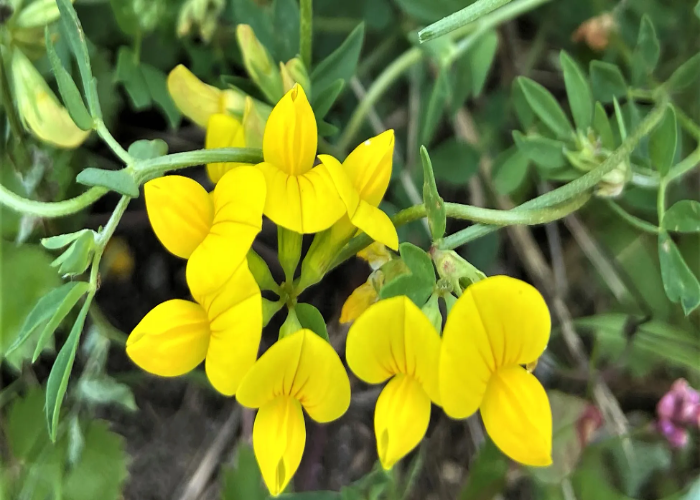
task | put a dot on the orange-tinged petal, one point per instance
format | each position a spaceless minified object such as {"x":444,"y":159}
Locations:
{"x":197,"y":100}
{"x":305,"y":367}
{"x":239,"y":198}
{"x":291,"y":136}
{"x":307,"y":203}
{"x":401,"y":418}
{"x":359,"y":301}
{"x":279,"y":436}
{"x":394,"y":336}
{"x":171,"y":340}
{"x":223,"y":131}
{"x":376,"y":255}
{"x":180,"y":212}
{"x":235,"y":318}
{"x":369,"y":167}
{"x":518,"y":417}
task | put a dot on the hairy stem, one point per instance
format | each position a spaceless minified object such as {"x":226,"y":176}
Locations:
{"x":306,"y":32}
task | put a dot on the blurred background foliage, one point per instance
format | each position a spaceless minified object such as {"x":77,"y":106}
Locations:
{"x":494,"y":141}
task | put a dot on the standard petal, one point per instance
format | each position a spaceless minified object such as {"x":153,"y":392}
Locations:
{"x":517,"y":416}
{"x":235,"y":319}
{"x":197,"y":100}
{"x":347,"y":192}
{"x":376,"y":224}
{"x":400,"y":419}
{"x":369,"y":167}
{"x":279,"y":436}
{"x":181,"y":213}
{"x":306,"y":203}
{"x":393,"y":336}
{"x":359,"y":301}
{"x":171,"y":340}
{"x":239,"y":198}
{"x":291,"y":136}
{"x":223,"y":131}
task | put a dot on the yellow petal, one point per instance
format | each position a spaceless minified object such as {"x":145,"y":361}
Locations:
{"x":291,"y":136}
{"x":394,"y":336}
{"x":39,"y":109}
{"x":254,"y":119}
{"x":239,"y":198}
{"x":194,"y":98}
{"x":376,"y":255}
{"x":235,"y":319}
{"x":304,"y":366}
{"x":180,"y":211}
{"x":517,"y":416}
{"x":171,"y":340}
{"x":400,"y":419}
{"x":279,"y":436}
{"x":376,"y":224}
{"x":223,"y":131}
{"x":359,"y":301}
{"x":499,"y":321}
{"x":369,"y":167}
{"x":306,"y":203}
{"x":347,"y":192}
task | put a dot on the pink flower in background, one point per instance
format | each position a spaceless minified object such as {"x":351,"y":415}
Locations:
{"x":677,"y":410}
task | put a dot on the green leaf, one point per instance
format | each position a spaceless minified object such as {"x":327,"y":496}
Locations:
{"x":105,"y":390}
{"x":434,"y":204}
{"x":243,"y":479}
{"x":341,"y":63}
{"x":687,"y":74}
{"x":546,"y":107}
{"x":601,"y":124}
{"x":126,"y":18}
{"x":542,"y":151}
{"x":285,"y":20}
{"x":487,"y":474}
{"x":75,"y":36}
{"x":509,"y":170}
{"x":321,"y":102}
{"x":76,"y":258}
{"x":662,"y":142}
{"x":460,"y":18}
{"x":326,"y":129}
{"x":147,"y":150}
{"x":411,"y":286}
{"x":697,"y":14}
{"x":455,"y":162}
{"x":60,"y":372}
{"x":24,"y":426}
{"x":311,"y":318}
{"x":680,"y":283}
{"x":101,"y":471}
{"x":647,"y":52}
{"x":67,"y":88}
{"x":682,"y":217}
{"x":120,"y":181}
{"x":418,"y":262}
{"x":578,"y":91}
{"x":157,"y":84}
{"x":435,"y":106}
{"x":481,"y":58}
{"x":60,"y":241}
{"x":607,"y":81}
{"x":620,"y":118}
{"x":523,"y":111}
{"x":129,"y":74}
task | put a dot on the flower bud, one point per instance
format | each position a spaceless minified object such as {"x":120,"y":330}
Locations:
{"x":202,"y":13}
{"x":613,"y":183}
{"x":259,"y":64}
{"x":295,"y":72}
{"x":454,"y":268}
{"x":596,"y":31}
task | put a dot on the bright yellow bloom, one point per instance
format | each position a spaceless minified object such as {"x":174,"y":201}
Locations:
{"x":376,"y":255}
{"x":299,"y":371}
{"x":222,"y":327}
{"x":359,"y":301}
{"x":394,"y":340}
{"x":39,"y":109}
{"x":223,"y":131}
{"x":199,"y":101}
{"x":497,"y":325}
{"x":213,"y":231}
{"x":301,"y":197}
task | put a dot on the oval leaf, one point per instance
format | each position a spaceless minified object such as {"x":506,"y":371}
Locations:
{"x":662,"y":142}
{"x":578,"y":91}
{"x":311,"y":318}
{"x":607,"y":81}
{"x":680,"y":283}
{"x":683,"y":217}
{"x":546,"y":107}
{"x":687,"y":74}
{"x":120,"y":181}
{"x":601,"y":124}
{"x":542,"y":151}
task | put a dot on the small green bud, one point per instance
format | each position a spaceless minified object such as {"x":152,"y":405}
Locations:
{"x":613,"y":183}
{"x":259,"y":64}
{"x":454,"y":268}
{"x":295,"y":72}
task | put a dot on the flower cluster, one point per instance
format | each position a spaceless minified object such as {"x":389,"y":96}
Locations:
{"x":496,"y":326}
{"x":678,"y":410}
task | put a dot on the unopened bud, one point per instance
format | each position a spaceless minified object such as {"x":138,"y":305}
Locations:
{"x":201,"y":13}
{"x":596,"y":31}
{"x":454,"y":268}
{"x":613,"y":183}
{"x":295,"y":72}
{"x":259,"y":64}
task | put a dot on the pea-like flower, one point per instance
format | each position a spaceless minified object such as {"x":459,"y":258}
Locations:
{"x":394,"y":340}
{"x":214,"y":231}
{"x":301,"y":197}
{"x":495,"y":327}
{"x":223,"y":328}
{"x":299,"y":371}
{"x":223,"y":131}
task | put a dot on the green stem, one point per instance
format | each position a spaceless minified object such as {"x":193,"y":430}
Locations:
{"x":306,"y":32}
{"x":687,"y":122}
{"x":460,"y":18}
{"x":685,"y":166}
{"x":106,"y":136}
{"x":661,"y":199}
{"x":50,"y":209}
{"x":633,"y":220}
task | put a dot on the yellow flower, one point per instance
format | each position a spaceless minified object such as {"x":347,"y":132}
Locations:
{"x":198,"y":101}
{"x":362,"y":181}
{"x":223,"y":131}
{"x":376,"y":255}
{"x":213,"y":231}
{"x":359,"y":301}
{"x":301,"y":197}
{"x":299,"y":371}
{"x":222,"y":327}
{"x":497,"y":325}
{"x":39,"y":109}
{"x":394,"y":340}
